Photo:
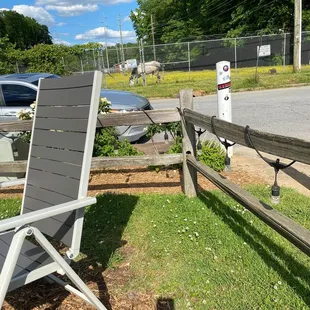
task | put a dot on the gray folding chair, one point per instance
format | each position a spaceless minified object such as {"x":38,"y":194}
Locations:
{"x":56,"y":184}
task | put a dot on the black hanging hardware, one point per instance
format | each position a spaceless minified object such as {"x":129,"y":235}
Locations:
{"x":166,"y":137}
{"x":275,"y":189}
{"x":199,"y":133}
{"x":225,"y":143}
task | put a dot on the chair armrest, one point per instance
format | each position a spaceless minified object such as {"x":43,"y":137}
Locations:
{"x":12,"y":183}
{"x":35,"y":216}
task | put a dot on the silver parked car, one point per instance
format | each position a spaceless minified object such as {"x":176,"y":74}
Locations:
{"x":18,"y":91}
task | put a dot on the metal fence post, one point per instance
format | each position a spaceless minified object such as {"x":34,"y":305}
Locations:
{"x":17,"y":67}
{"x":143,"y":64}
{"x":95,"y":63}
{"x":189,"y":60}
{"x":98,"y":60}
{"x":284,"y":50}
{"x":236,"y":55}
{"x":107,"y":55}
{"x":82,"y":67}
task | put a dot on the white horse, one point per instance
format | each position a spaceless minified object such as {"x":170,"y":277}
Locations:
{"x":151,"y":67}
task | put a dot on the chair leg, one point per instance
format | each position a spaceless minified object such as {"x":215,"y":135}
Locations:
{"x":10,"y":262}
{"x":67,"y":269}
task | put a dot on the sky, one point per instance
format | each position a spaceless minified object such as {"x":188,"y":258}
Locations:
{"x":79,"y":21}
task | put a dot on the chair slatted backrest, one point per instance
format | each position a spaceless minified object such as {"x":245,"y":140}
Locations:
{"x":61,"y":148}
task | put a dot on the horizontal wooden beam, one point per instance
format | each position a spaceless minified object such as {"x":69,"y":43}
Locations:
{"x":144,"y":160}
{"x":286,"y":227}
{"x":106,"y":162}
{"x":287,"y":147}
{"x":145,"y":117}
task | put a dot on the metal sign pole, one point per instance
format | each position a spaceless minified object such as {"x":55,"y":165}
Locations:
{"x":223,"y":79}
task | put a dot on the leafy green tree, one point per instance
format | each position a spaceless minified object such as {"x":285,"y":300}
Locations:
{"x":23,"y":31}
{"x":8,"y":56}
{"x":2,"y":27}
{"x":186,"y":20}
{"x":47,"y":58}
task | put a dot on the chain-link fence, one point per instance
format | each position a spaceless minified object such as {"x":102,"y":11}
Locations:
{"x":185,"y":56}
{"x":197,"y":55}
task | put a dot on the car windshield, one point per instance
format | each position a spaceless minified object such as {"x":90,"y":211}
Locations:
{"x":49,"y":77}
{"x":18,"y":95}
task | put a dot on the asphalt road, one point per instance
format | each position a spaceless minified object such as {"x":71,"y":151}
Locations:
{"x":281,"y":111}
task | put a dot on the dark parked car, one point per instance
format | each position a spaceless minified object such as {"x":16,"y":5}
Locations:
{"x":18,"y":91}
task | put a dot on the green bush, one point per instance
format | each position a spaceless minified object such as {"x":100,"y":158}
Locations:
{"x":106,"y":139}
{"x":212,"y":155}
{"x":107,"y":144}
{"x":126,"y":149}
{"x":276,"y":60}
{"x":174,"y":128}
{"x":176,"y":147}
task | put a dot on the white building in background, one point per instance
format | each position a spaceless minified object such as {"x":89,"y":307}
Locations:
{"x":129,"y":64}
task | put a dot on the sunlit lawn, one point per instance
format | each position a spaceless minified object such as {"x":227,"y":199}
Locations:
{"x":242,"y":79}
{"x":204,"y":253}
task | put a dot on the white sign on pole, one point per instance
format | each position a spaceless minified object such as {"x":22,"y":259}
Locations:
{"x":223,"y":90}
{"x":223,"y":80}
{"x":264,"y":50}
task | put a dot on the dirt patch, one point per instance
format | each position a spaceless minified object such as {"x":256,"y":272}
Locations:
{"x":199,"y":93}
{"x":196,"y":93}
{"x":106,"y":285}
{"x":247,"y":168}
{"x":133,"y":180}
{"x":297,"y":176}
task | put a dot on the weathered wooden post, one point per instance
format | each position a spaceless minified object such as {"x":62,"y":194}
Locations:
{"x":188,"y":145}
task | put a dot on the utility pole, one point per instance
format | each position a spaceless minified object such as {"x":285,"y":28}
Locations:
{"x":121,"y":37}
{"x":106,"y":45}
{"x":297,"y":35}
{"x":117,"y":53}
{"x":153,"y":36}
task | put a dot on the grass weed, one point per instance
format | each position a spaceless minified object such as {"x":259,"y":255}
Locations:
{"x":205,"y":80}
{"x":203,"y":253}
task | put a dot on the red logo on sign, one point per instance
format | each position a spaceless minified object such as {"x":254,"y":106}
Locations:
{"x":223,"y":86}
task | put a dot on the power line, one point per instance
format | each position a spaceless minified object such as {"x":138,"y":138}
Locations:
{"x":194,"y":13}
{"x":231,"y":8}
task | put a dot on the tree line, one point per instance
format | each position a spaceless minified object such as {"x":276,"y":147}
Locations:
{"x":186,"y":20}
{"x":22,"y":31}
{"x":26,"y":46}
{"x":60,"y":59}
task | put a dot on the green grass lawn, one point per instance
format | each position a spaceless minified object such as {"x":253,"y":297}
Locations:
{"x":204,"y":253}
{"x":205,"y":80}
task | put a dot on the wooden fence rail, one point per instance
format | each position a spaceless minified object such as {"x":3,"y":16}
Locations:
{"x":287,"y":147}
{"x":112,"y":119}
{"x":106,"y":162}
